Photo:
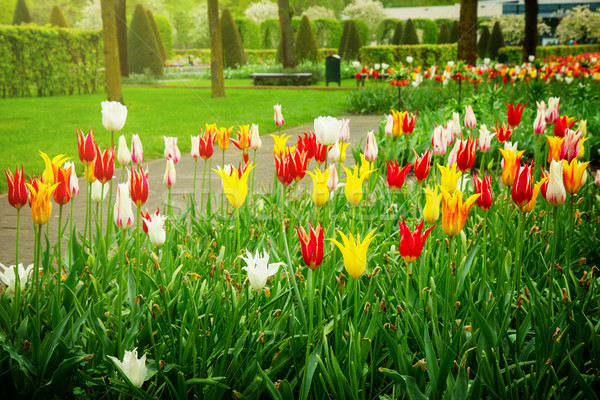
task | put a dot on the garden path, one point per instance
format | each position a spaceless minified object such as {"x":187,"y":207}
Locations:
{"x":158,"y":194}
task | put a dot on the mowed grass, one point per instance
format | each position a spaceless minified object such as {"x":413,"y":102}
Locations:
{"x":48,"y":123}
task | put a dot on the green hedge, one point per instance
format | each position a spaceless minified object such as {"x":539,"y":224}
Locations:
{"x":46,"y":61}
{"x":514,"y":53}
{"x":252,"y":56}
{"x":328,"y":32}
{"x":423,"y":54}
{"x":270,"y":33}
{"x":429,"y":28}
{"x":385,"y":31}
{"x":166,"y":31}
{"x":363,"y":31}
{"x":249,"y":31}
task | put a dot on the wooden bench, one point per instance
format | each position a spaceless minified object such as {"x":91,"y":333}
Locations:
{"x":301,"y":78}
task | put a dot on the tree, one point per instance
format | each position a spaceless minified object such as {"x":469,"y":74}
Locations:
{"x":354,"y":42}
{"x":397,"y":38}
{"x":454,"y":32}
{"x":216,"y":50}
{"x":233,"y":50}
{"x":484,"y":40}
{"x":531,"y":34}
{"x":578,"y":24}
{"x":410,"y":33}
{"x":142,"y":47}
{"x":112,"y":66}
{"x":287,"y":37}
{"x":21,"y":15}
{"x":57,"y":18}
{"x":443,"y":34}
{"x":306,"y":45}
{"x":261,"y":11}
{"x":467,"y":32}
{"x":121,"y":11}
{"x":157,"y":36}
{"x":496,"y":41}
{"x":369,"y":11}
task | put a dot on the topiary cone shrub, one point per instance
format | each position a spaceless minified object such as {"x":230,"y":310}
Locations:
{"x":306,"y":48}
{"x":484,"y":41}
{"x":57,"y":18}
{"x":496,"y":41}
{"x":142,"y":47}
{"x":157,"y":36}
{"x":443,"y":34}
{"x":21,"y":15}
{"x":454,"y":32}
{"x":410,"y":33}
{"x":233,"y":50}
{"x":397,"y":38}
{"x":354,"y":43}
{"x":344,"y":39}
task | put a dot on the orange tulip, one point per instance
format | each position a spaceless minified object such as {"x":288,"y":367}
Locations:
{"x":39,"y":195}
{"x":455,"y":212}
{"x":555,"y":145}
{"x":512,"y":158}
{"x":573,"y":174}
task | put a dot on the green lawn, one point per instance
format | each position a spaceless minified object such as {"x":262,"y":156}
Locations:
{"x":349,"y":83}
{"x":48,"y":123}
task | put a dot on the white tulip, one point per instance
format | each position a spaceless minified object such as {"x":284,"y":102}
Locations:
{"x":327,"y":130}
{"x":114,"y":115}
{"x":195,"y":152}
{"x":171,"y":149}
{"x":8,"y":276}
{"x":255,"y":142}
{"x":371,"y":149}
{"x":334,"y":153}
{"x":123,"y":153}
{"x":123,"y":207}
{"x":259,"y":269}
{"x":99,"y":191}
{"x":133,"y":368}
{"x":156,"y":229}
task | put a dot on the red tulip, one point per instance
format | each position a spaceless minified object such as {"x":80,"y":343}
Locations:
{"x":465,"y":155}
{"x":395,"y":175}
{"x":320,"y":153}
{"x":104,"y":167}
{"x":422,"y":165}
{"x":484,"y":187}
{"x":17,"y":191}
{"x":522,"y":190}
{"x":562,"y":124}
{"x":503,"y":132}
{"x":411,"y":244}
{"x":514,"y":114}
{"x":408,"y":123}
{"x":206,"y":144}
{"x":138,"y":183}
{"x":87,"y":146}
{"x":312,"y":246}
{"x":308,"y":144}
{"x":62,"y":177}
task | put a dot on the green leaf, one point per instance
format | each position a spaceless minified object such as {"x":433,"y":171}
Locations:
{"x":310,"y":368}
{"x":57,"y":382}
{"x":412,"y":390}
{"x":269,"y":384}
{"x":207,"y":381}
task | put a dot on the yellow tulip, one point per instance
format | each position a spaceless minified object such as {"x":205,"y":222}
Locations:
{"x":449,"y":178}
{"x":512,"y":159}
{"x":431,"y":211}
{"x":365,"y":168}
{"x":279,"y":144}
{"x":343,"y":147}
{"x":581,"y":147}
{"x":222,"y":136}
{"x":354,"y":252}
{"x":353,"y":187}
{"x":41,"y":206}
{"x":573,"y":174}
{"x":398,"y":118}
{"x":455,"y":212}
{"x":320,"y":192}
{"x":51,"y":166}
{"x":235,"y":186}
{"x":555,"y":145}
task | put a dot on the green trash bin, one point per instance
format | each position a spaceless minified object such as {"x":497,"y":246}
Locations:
{"x":332,"y":70}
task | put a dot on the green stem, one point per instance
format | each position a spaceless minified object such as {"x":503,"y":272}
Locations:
{"x":222,"y":162}
{"x":138,"y":236}
{"x":120,"y":293}
{"x":253,"y":173}
{"x":17,"y":238}
{"x":195,"y":171}
{"x":482,"y":165}
{"x":485,"y":275}
{"x":202,"y":189}
{"x":553,"y":261}
{"x":36,"y":276}
{"x":238,"y":245}
{"x":571,"y":235}
{"x":208,"y":198}
{"x":59,"y":261}
{"x":356,"y":303}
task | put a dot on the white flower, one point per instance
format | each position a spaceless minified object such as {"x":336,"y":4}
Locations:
{"x":450,"y":64}
{"x":417,"y":79}
{"x":531,"y":58}
{"x":355,"y":64}
{"x":334,"y":153}
{"x":73,"y":182}
{"x":8,"y":276}
{"x":114,"y":115}
{"x":123,"y":153}
{"x":568,"y":80}
{"x":377,"y":66}
{"x":327,"y":130}
{"x":486,"y":61}
{"x":133,"y":368}
{"x":344,"y":135}
{"x":555,"y":191}
{"x":485,"y":138}
{"x":384,"y":66}
{"x":278,"y":116}
{"x":255,"y":142}
{"x":99,"y":191}
{"x":456,"y":131}
{"x":170,"y":174}
{"x":156,"y":229}
{"x":389,"y":125}
{"x":137,"y":151}
{"x":195,"y":152}
{"x":259,"y":269}
{"x":409,"y":59}
{"x":552,"y":110}
{"x":539,"y":124}
{"x":171,"y":149}
{"x":371,"y":149}
{"x":470,"y":120}
{"x":334,"y":180}
{"x":123,"y":211}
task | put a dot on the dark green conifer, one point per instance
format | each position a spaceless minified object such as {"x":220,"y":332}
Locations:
{"x":233,"y":50}
{"x":142,"y":49}
{"x":306,"y":45}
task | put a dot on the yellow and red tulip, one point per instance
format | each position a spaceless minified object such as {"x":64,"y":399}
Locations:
{"x":62,"y":177}
{"x":17,"y":190}
{"x":512,"y":159}
{"x":522,"y":189}
{"x":455,"y":212}
{"x":138,"y":181}
{"x":311,"y":244}
{"x":573,"y":174}
{"x":40,"y":194}
{"x":555,"y":145}
{"x":104,"y":166}
{"x":465,"y":155}
{"x":86,"y":146}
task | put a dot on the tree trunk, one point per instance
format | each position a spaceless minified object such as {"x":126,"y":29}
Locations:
{"x":467,"y":32}
{"x":216,"y":50}
{"x":287,"y":38}
{"x":112,"y":67}
{"x":121,"y":13}
{"x":531,"y":34}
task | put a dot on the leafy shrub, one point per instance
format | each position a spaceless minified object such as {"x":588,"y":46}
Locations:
{"x":496,"y":41}
{"x":443,"y":34}
{"x":398,"y":31}
{"x":142,"y":48}
{"x":328,"y":32}
{"x":369,"y":11}
{"x":354,"y":43}
{"x":484,"y":40}
{"x":270,"y":33}
{"x":428,"y":28}
{"x":423,"y":54}
{"x":578,"y":24}
{"x":440,"y":21}
{"x":49,"y":61}
{"x":344,"y":39}
{"x":384,"y":32}
{"x":21,"y":15}
{"x":261,"y":11}
{"x":306,"y":48}
{"x":454,"y":32}
{"x":372,"y":100}
{"x":363,"y":30}
{"x":233,"y":51}
{"x":166,"y":32}
{"x":57,"y":18}
{"x":157,"y":36}
{"x":410,"y":33}
{"x":249,"y":32}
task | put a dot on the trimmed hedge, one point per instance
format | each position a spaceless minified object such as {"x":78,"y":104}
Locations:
{"x":410,"y":33}
{"x":233,"y":50}
{"x":423,"y":54}
{"x":496,"y":41}
{"x":142,"y":48}
{"x":444,"y":34}
{"x":384,"y":33}
{"x":252,"y":56}
{"x":514,"y":54}
{"x":21,"y":15}
{"x":363,"y":30}
{"x":398,"y":32}
{"x":328,"y":32}
{"x":160,"y":43}
{"x":305,"y":46}
{"x":166,"y":31}
{"x":353,"y":44}
{"x":454,"y":32}
{"x":57,"y":18}
{"x":429,"y":28}
{"x":484,"y":40}
{"x":270,"y":34}
{"x":46,"y":61}
{"x":249,"y":31}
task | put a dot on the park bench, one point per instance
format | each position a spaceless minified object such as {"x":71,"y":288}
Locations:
{"x":301,"y":78}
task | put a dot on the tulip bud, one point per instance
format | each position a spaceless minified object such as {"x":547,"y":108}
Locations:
{"x":485,"y":139}
{"x":539,"y":125}
{"x":456,"y":131}
{"x":99,"y":192}
{"x":156,"y":229}
{"x":470,"y":120}
{"x":73,"y":182}
{"x":333,"y":181}
{"x":597,"y":180}
{"x":344,"y":135}
{"x":555,"y":191}
{"x":371,"y":147}
{"x":137,"y":152}
{"x":114,"y":115}
{"x":438,"y":142}
{"x":334,"y":153}
{"x":570,"y":147}
{"x":170,"y":174}
{"x":278,"y":115}
{"x":171,"y":149}
{"x":389,"y":125}
{"x":195,"y":152}
{"x":123,"y":153}
{"x":255,"y":142}
{"x":123,"y":212}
